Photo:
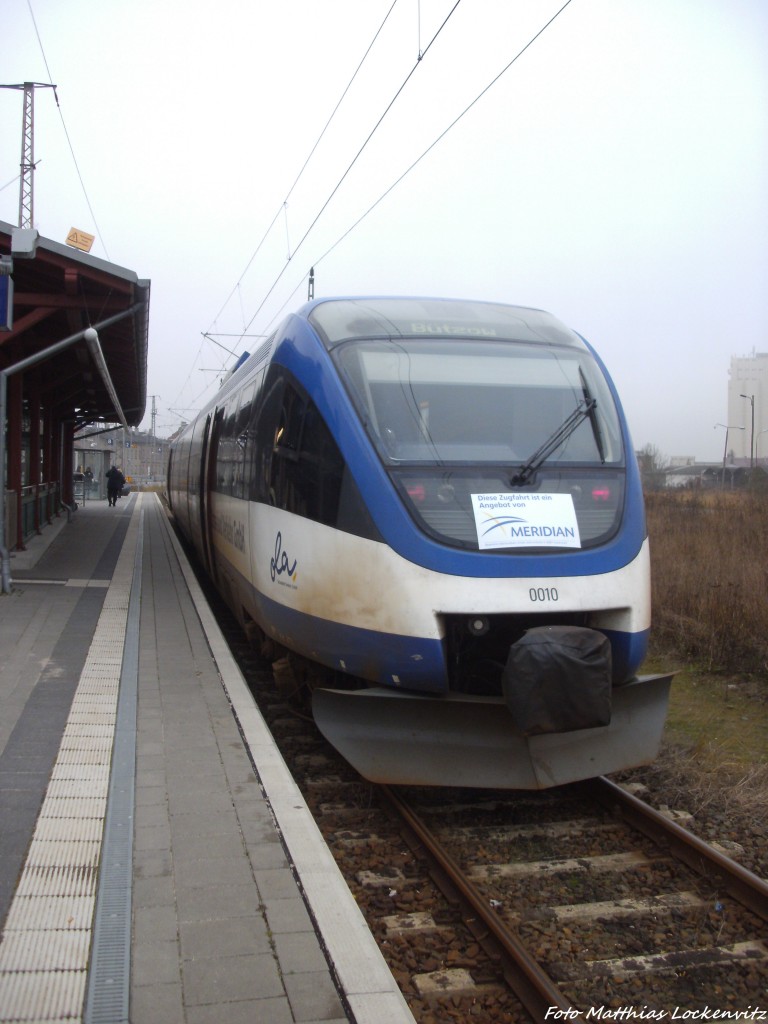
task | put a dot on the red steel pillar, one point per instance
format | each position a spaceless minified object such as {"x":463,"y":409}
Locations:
{"x":15,"y":392}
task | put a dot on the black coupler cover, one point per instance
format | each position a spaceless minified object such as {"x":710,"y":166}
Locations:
{"x":558,"y":679}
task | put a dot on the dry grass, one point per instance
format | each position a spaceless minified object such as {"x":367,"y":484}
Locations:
{"x":703,"y":784}
{"x":714,"y":758}
{"x":722,"y":721}
{"x":709,"y":557}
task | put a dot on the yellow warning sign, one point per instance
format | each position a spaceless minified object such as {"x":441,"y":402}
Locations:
{"x":80,"y":240}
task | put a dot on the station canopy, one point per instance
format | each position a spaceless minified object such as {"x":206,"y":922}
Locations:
{"x":58,"y":292}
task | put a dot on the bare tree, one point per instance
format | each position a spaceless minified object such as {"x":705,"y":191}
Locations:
{"x":653,"y":464}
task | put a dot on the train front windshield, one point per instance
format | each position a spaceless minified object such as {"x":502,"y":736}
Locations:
{"x":455,"y":418}
{"x":489,"y":410}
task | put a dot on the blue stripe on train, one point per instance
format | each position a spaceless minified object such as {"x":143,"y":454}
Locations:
{"x":376,"y":656}
{"x":381,"y":657}
{"x":627,"y":652}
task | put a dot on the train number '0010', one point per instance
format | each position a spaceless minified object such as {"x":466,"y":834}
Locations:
{"x":543,"y":594}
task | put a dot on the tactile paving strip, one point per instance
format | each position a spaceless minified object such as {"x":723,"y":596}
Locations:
{"x":44,"y":954}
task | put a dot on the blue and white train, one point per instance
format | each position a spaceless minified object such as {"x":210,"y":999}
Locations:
{"x":431,"y":510}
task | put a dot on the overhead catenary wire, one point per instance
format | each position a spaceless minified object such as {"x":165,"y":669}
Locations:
{"x":404,"y":174}
{"x":370,"y":135}
{"x":439,"y":138}
{"x":280,"y":210}
{"x":356,"y":157}
{"x":425,"y":153}
{"x":309,"y":156}
{"x":66,"y":133}
{"x":13,"y":180}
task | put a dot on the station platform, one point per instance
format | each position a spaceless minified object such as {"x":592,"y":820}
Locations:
{"x":158,"y":864}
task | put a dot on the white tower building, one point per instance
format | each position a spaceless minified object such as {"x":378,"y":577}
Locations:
{"x":748,"y":407}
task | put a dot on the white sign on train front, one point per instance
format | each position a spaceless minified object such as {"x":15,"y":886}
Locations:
{"x":525,"y":520}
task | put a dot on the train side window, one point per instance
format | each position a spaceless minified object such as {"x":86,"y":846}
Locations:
{"x":265,"y":429}
{"x":307,"y":467}
{"x":250,"y":427}
{"x":240,"y":441}
{"x":321,"y":469}
{"x":298,"y":465}
{"x":291,"y":424}
{"x":225,"y":448}
{"x":301,"y":469}
{"x":286,"y":484}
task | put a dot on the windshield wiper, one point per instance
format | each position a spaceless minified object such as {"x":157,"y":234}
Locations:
{"x":591,"y":412}
{"x":563,"y":432}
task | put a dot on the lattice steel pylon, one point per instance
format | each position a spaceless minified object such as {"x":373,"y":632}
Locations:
{"x":26,"y":189}
{"x":26,"y":186}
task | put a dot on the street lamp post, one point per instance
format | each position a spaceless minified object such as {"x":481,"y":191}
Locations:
{"x":751,"y":399}
{"x":726,"y":427}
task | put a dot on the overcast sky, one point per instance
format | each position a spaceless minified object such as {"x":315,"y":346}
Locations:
{"x":615,"y":174}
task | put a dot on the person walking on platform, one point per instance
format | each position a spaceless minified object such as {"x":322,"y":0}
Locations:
{"x":115,"y":481}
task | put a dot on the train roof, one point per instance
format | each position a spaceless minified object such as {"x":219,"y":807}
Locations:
{"x":344,"y":319}
{"x":361,"y":318}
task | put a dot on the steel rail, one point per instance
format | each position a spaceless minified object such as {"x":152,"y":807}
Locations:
{"x":747,"y":888}
{"x":534,"y":988}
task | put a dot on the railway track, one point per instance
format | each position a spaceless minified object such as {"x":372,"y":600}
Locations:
{"x":495,"y":906}
{"x":530,"y":904}
{"x":699,"y":891}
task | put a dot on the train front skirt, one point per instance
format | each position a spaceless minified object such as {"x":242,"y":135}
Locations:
{"x":461,"y":740}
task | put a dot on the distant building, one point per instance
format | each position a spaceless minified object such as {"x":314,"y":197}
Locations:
{"x":140,"y":455}
{"x":695,"y":475}
{"x":749,"y":376}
